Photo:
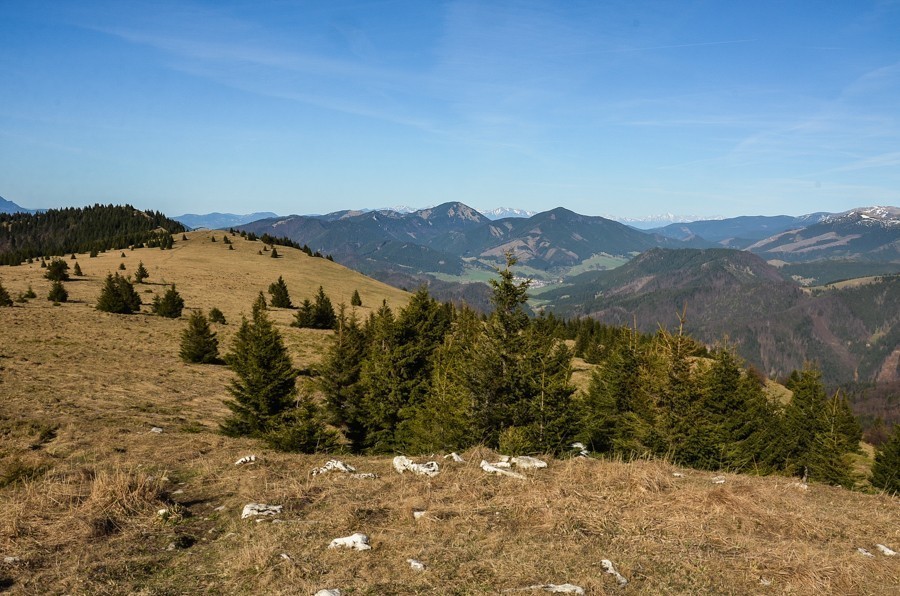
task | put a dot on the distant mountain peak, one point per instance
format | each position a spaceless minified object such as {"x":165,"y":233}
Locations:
{"x":453,"y":210}
{"x":10,"y":207}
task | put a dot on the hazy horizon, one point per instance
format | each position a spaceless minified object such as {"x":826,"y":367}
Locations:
{"x":632,"y":109}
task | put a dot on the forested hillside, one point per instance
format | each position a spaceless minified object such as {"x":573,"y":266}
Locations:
{"x":82,"y":229}
{"x":772,"y":322}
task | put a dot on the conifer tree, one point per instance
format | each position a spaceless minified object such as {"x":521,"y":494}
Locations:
{"x":817,"y":444}
{"x":57,"y":270}
{"x":118,"y":296}
{"x":304,"y":316}
{"x":5,"y":299}
{"x":444,"y":420}
{"x":302,"y":429}
{"x":886,"y":470}
{"x":121,"y":266}
{"x":29,"y":293}
{"x":264,"y":383}
{"x":216,"y":316}
{"x":355,"y":300}
{"x":274,"y":254}
{"x":225,"y":240}
{"x":279,"y":293}
{"x":58,"y":293}
{"x":77,"y":270}
{"x":140,"y":274}
{"x":170,"y":305}
{"x":199,"y":343}
{"x":340,"y":379}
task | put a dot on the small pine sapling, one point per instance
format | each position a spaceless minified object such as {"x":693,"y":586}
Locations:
{"x":170,"y":305}
{"x":58,"y":293}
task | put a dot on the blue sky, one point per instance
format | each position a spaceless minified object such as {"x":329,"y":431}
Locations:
{"x":625,"y":108}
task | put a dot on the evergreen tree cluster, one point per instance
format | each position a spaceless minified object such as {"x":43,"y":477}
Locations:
{"x":118,"y":296}
{"x":280,"y":241}
{"x":318,"y":314}
{"x":82,"y":229}
{"x":170,"y":305}
{"x":434,"y":377}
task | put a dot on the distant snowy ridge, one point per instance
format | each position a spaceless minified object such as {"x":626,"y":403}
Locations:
{"x":658,"y":221}
{"x":501,"y":212}
{"x":884,"y":216}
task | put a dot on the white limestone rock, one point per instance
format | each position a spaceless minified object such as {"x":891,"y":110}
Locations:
{"x":718,"y":480}
{"x":255,"y":509}
{"x":527,"y":462}
{"x":404,"y":464}
{"x":331,"y":592}
{"x":416,"y":565}
{"x":885,"y":550}
{"x":334,"y":465}
{"x":455,"y":457}
{"x":493,"y":469}
{"x":247,"y":459}
{"x":355,"y":541}
{"x":419,"y":513}
{"x":558,"y":588}
{"x":156,"y":430}
{"x":864,"y":552}
{"x":611,"y":569}
{"x":580,"y":449}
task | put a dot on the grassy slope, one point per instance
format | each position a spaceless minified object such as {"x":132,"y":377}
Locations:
{"x":83,"y":477}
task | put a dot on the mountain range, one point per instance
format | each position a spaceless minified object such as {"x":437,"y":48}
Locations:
{"x":10,"y":207}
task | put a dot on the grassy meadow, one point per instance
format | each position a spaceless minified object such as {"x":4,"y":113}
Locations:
{"x":83,"y":478}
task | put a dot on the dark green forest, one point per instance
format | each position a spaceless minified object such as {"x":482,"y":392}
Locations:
{"x":81,"y":229}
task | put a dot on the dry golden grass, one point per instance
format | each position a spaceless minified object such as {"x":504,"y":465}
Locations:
{"x":82,"y":477}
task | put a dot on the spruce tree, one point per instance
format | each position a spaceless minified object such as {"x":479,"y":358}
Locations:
{"x":77,"y":270}
{"x":57,"y":270}
{"x":323,"y":316}
{"x":140,"y":274}
{"x":302,"y":429}
{"x":818,"y":444}
{"x":279,"y":293}
{"x":58,"y":293}
{"x":886,"y":470}
{"x":264,"y":383}
{"x":170,"y":305}
{"x":121,"y":266}
{"x":29,"y":293}
{"x":199,"y":343}
{"x":216,"y":316}
{"x":118,"y":296}
{"x":304,"y":317}
{"x":5,"y":299}
{"x":355,"y":300}
{"x":274,"y":254}
{"x":340,"y":379}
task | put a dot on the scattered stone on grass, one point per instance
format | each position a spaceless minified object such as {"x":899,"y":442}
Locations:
{"x":580,"y":449}
{"x":336,"y":465}
{"x":885,"y":550}
{"x":247,"y":459}
{"x":404,"y":464}
{"x":419,"y":513}
{"x":718,"y":480}
{"x":455,"y":457}
{"x":527,"y":462}
{"x":329,"y":592}
{"x":355,"y":541}
{"x":254,"y":509}
{"x":611,"y":569}
{"x":156,"y":430}
{"x":678,"y":474}
{"x":416,"y":565}
{"x":493,"y":469}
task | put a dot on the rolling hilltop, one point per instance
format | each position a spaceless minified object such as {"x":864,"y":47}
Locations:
{"x":115,"y":479}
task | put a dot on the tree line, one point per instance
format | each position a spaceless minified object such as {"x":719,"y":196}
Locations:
{"x":81,"y":229}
